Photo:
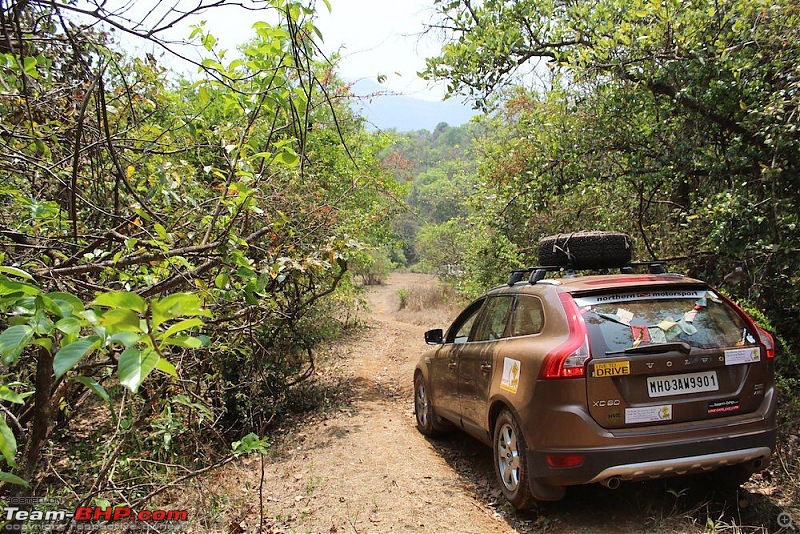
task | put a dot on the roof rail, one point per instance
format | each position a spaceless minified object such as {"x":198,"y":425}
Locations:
{"x":537,"y":273}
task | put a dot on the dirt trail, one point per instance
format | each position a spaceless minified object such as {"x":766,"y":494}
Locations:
{"x":365,"y":468}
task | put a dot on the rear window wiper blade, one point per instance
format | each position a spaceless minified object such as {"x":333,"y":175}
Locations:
{"x":677,"y":346}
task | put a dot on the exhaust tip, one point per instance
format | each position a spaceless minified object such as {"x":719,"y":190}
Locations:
{"x":611,"y":483}
{"x":758,"y":464}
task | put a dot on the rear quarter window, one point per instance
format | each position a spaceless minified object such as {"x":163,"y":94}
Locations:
{"x":527,"y":317}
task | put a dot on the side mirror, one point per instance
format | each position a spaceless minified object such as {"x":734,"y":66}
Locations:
{"x":434,"y":337}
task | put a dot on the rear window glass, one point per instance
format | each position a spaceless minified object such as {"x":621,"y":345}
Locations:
{"x":699,"y":318}
{"x":494,"y":319}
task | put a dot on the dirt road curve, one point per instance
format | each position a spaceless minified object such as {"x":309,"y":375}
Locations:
{"x":365,"y":468}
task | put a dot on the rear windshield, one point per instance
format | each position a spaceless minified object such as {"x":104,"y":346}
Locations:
{"x":700,"y":318}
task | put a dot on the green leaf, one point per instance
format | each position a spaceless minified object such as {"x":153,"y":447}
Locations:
{"x":166,"y":367}
{"x":8,"y":287}
{"x":8,"y":394}
{"x":101,"y":503}
{"x":221,"y":280}
{"x":120,"y":320}
{"x":29,"y":66}
{"x":209,"y":63}
{"x":15,"y":272}
{"x":47,"y":304}
{"x":127,"y":339}
{"x":68,"y":303}
{"x":180,"y":326}
{"x":188,"y":342}
{"x":208,"y":41}
{"x":202,"y":94}
{"x":41,"y":324}
{"x":8,"y":444}
{"x":69,"y":325}
{"x":93,"y":385}
{"x":12,"y":479}
{"x":12,"y":340}
{"x":121,"y":299}
{"x":177,"y":305}
{"x":249,"y":443}
{"x":135,"y":365}
{"x":288,"y":157}
{"x":161,"y":231}
{"x":70,"y":354}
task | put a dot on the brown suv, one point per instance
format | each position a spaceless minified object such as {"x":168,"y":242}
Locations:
{"x":602,"y":378}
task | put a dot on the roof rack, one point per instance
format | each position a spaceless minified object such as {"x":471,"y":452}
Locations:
{"x":534,"y":273}
{"x":537,"y":273}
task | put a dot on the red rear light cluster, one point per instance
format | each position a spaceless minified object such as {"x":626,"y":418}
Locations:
{"x":767,"y":341}
{"x":568,"y":360}
{"x":764,"y":337}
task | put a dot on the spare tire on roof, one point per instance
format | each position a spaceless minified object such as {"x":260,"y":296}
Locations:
{"x":586,"y":250}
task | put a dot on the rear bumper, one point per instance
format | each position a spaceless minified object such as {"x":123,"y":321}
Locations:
{"x":757,"y":458}
{"x":656,"y":461}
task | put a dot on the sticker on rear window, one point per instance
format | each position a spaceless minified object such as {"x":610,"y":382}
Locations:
{"x":730,"y":405}
{"x":642,"y":295}
{"x":740,"y":356}
{"x":612,"y":369}
{"x":510,"y":379}
{"x":648,"y":414}
{"x":625,"y":316}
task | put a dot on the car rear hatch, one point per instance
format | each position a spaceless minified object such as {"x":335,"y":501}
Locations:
{"x":670,"y":355}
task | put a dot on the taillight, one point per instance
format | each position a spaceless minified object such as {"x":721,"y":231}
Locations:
{"x":763,"y":336}
{"x":568,"y":360}
{"x":766,"y":340}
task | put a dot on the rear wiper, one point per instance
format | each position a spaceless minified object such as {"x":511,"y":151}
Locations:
{"x":677,"y":346}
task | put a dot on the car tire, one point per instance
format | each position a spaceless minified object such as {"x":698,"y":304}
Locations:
{"x":511,"y":461}
{"x":428,"y":423}
{"x":586,"y":250}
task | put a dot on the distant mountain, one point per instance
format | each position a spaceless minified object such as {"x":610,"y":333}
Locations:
{"x":385,"y":110}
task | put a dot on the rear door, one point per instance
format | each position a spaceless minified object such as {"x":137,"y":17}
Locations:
{"x":444,"y":386}
{"x":669,"y":356}
{"x":476,"y":362}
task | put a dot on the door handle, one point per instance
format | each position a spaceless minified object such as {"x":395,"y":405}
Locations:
{"x":486,"y":367}
{"x":452,"y":364}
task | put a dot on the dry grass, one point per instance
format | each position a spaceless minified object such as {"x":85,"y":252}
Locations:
{"x":422,"y":304}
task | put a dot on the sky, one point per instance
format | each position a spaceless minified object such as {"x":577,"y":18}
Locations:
{"x":373,"y":37}
{"x":382,"y":38}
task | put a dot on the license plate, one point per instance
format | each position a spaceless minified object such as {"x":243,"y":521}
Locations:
{"x":684,"y":384}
